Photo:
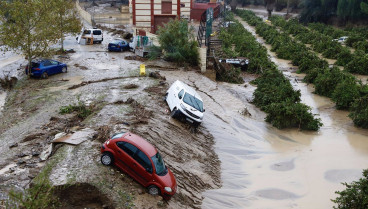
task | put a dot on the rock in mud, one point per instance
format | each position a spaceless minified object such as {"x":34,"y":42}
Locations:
{"x":46,"y":153}
{"x":13,"y":145}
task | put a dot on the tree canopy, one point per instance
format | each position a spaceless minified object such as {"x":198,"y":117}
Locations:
{"x":344,"y":10}
{"x":30,"y":27}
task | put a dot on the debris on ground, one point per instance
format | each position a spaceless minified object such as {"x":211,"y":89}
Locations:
{"x":131,"y":86}
{"x":46,"y":153}
{"x":99,"y":81}
{"x":157,"y":75}
{"x":8,"y":82}
{"x":70,"y":51}
{"x":80,"y":66}
{"x":77,"y":137}
{"x":102,"y":134}
{"x":134,"y":57}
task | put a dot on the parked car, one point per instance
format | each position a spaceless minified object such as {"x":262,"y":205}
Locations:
{"x":118,"y":46}
{"x":138,"y":158}
{"x":341,"y":39}
{"x":239,"y":62}
{"x":94,"y":33}
{"x":184,"y":102}
{"x":42,"y":68}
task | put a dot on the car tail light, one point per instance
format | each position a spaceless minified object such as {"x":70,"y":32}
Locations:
{"x":36,"y":69}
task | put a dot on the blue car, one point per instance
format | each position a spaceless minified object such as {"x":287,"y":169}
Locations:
{"x":118,"y":46}
{"x":44,"y":67}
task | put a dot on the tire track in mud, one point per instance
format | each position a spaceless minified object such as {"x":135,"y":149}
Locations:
{"x":209,"y":96}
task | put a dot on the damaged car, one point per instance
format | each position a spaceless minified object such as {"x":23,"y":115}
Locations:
{"x":185,"y":103}
{"x":140,"y":159}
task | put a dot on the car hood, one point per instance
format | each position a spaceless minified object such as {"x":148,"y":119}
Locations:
{"x":168,"y":180}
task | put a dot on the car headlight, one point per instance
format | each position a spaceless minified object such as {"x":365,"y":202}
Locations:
{"x":182,"y":106}
{"x":168,"y":189}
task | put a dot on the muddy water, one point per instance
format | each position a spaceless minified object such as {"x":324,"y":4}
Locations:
{"x":263,"y":167}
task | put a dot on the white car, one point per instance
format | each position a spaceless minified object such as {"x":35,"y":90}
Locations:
{"x":94,"y":33}
{"x":184,"y":102}
{"x":341,"y":39}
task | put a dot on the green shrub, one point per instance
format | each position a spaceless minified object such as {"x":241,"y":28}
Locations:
{"x":326,"y":81}
{"x":353,"y":38}
{"x":273,"y":87}
{"x":355,"y":196}
{"x":81,"y":109}
{"x":346,"y":92}
{"x":312,"y":74}
{"x":359,"y":112}
{"x":231,"y":75}
{"x":288,"y":114}
{"x":359,"y":63}
{"x":361,"y":45}
{"x":178,"y":43}
{"x":344,"y":57}
{"x":155,"y":52}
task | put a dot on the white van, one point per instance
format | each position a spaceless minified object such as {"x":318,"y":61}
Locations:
{"x":95,"y":33}
{"x":184,"y":102}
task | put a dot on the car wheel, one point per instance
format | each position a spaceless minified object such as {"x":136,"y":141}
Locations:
{"x":64,"y":70}
{"x":107,"y":158}
{"x":174,"y":113}
{"x":153,"y":190}
{"x":242,"y":63}
{"x":196,"y":124}
{"x":44,"y":75}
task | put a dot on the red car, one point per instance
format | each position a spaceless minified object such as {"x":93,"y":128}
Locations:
{"x":138,"y":158}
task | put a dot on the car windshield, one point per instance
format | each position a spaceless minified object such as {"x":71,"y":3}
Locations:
{"x":194,"y":102}
{"x":116,"y":41}
{"x":118,"y":135}
{"x":97,"y":32}
{"x":161,"y":169}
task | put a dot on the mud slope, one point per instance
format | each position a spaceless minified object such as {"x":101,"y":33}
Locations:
{"x":30,"y":120}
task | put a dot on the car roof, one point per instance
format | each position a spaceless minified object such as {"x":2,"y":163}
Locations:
{"x":188,"y":89}
{"x":138,"y":141}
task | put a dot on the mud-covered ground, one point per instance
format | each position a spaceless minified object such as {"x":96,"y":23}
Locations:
{"x":121,"y":100}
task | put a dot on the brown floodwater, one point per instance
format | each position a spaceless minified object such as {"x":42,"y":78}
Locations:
{"x":263,"y":167}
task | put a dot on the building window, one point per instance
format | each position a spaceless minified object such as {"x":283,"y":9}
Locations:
{"x":166,"y":7}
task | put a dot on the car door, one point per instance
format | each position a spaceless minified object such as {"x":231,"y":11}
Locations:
{"x":56,"y":68}
{"x":125,"y":153}
{"x":143,"y":167}
{"x":130,"y":155}
{"x":47,"y":67}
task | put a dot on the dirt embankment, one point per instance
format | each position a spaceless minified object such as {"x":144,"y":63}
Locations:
{"x":139,"y":108}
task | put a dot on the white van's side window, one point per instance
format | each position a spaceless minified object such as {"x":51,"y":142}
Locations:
{"x":181,"y":94}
